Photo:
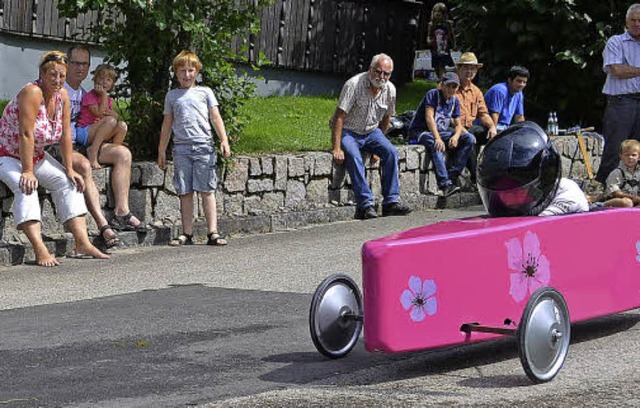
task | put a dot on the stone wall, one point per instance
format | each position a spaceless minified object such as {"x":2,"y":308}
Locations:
{"x":279,"y":191}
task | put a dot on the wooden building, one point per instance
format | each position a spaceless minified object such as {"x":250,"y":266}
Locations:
{"x":321,"y":36}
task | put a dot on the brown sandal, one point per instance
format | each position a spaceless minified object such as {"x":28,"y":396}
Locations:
{"x":123,"y":223}
{"x":213,"y":238}
{"x":183,"y":239}
{"x":109,"y":240}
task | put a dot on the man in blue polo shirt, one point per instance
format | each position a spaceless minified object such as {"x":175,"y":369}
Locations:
{"x":505,"y":101}
{"x":621,"y":63}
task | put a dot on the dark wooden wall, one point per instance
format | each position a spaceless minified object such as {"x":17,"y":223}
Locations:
{"x":40,"y":18}
{"x":337,"y":36}
{"x":329,"y":36}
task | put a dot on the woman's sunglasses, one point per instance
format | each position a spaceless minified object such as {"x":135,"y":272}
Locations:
{"x":54,"y":58}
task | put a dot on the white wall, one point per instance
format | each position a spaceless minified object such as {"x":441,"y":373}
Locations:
{"x":278,"y":82}
{"x":20,"y":57}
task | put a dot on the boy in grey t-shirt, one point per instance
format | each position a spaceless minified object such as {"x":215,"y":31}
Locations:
{"x":189,"y":112}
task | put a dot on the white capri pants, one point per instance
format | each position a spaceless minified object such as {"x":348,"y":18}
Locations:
{"x":51,"y":175}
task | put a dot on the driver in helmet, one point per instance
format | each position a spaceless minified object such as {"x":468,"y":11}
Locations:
{"x":519,"y":174}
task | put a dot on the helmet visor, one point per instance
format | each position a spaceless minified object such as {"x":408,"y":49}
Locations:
{"x":510,"y":199}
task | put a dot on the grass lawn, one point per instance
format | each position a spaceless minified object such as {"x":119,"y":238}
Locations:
{"x":300,"y":123}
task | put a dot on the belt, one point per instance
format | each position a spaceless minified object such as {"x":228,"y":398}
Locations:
{"x":629,"y":95}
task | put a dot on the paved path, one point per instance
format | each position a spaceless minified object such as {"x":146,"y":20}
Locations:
{"x":164,"y":326}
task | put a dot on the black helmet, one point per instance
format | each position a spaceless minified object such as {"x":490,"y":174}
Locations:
{"x":518,"y":171}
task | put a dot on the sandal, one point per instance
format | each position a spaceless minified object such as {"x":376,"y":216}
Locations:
{"x":78,"y":255}
{"x":183,"y":239}
{"x":213,"y":238}
{"x":109,"y":240}
{"x":123,"y":223}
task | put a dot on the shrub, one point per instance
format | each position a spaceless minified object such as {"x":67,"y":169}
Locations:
{"x":142,"y":38}
{"x":560,"y":42}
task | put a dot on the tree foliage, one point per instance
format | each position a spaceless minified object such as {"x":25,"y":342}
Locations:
{"x":559,"y":41}
{"x":141,"y":38}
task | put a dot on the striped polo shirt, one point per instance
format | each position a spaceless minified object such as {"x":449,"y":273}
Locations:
{"x":621,"y":49}
{"x":363,"y":110}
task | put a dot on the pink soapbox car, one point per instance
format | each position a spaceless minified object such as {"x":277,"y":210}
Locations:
{"x":476,"y":279}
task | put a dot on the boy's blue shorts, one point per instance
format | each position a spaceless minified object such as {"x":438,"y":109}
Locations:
{"x":194,"y":169}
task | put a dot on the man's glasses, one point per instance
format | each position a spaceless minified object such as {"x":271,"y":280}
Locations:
{"x":80,"y":64}
{"x":54,"y":58}
{"x":382,"y":72}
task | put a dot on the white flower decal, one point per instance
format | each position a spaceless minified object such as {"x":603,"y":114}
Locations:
{"x":420,"y":298}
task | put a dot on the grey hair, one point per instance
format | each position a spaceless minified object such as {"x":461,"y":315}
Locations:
{"x":378,"y":57}
{"x":634,"y":8}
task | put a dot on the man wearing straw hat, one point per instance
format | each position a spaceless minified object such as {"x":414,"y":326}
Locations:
{"x":474,"y":114}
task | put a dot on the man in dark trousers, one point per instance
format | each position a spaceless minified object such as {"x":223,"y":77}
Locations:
{"x":621,"y":62}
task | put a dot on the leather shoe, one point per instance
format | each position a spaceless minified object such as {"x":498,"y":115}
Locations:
{"x":365,"y":213}
{"x":395,"y":209}
{"x":449,"y":189}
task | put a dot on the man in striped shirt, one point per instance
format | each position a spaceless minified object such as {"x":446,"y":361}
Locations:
{"x":621,"y":63}
{"x":365,"y":107}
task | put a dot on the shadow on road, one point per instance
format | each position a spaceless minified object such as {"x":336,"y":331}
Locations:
{"x":604,"y":326}
{"x":164,"y":344}
{"x":304,"y":368}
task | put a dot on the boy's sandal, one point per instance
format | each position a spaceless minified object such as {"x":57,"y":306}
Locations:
{"x":109,"y":240}
{"x":123,"y":223}
{"x":183,"y":239}
{"x":213,"y":238}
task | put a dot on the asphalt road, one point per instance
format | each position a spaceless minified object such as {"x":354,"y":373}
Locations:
{"x":170,"y":327}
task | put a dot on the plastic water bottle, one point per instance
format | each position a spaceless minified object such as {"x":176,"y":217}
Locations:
{"x":550,"y":124}
{"x":555,"y":124}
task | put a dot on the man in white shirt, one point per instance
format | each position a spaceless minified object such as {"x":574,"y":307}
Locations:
{"x":117,"y":156}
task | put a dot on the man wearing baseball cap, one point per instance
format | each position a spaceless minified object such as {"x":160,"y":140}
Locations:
{"x":436,"y":125}
{"x":474,"y":114}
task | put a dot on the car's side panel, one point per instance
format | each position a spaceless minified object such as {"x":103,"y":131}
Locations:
{"x":483,"y":270}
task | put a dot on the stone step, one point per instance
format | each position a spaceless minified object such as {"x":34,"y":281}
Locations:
{"x":17,"y":250}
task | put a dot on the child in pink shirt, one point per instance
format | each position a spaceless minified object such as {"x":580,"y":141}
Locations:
{"x":98,"y":122}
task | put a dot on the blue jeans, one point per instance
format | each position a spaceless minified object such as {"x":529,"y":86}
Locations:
{"x":376,"y":143}
{"x":621,"y":121}
{"x":459,"y":156}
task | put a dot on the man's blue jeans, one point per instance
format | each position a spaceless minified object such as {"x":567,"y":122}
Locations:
{"x":459,"y":155}
{"x":621,"y":121}
{"x":376,"y":143}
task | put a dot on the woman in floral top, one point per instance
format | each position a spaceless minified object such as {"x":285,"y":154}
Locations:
{"x":38,"y":116}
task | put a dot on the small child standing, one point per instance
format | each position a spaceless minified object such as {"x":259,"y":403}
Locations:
{"x":441,"y":39}
{"x":98,"y":122}
{"x":189,"y":111}
{"x":623,"y":183}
